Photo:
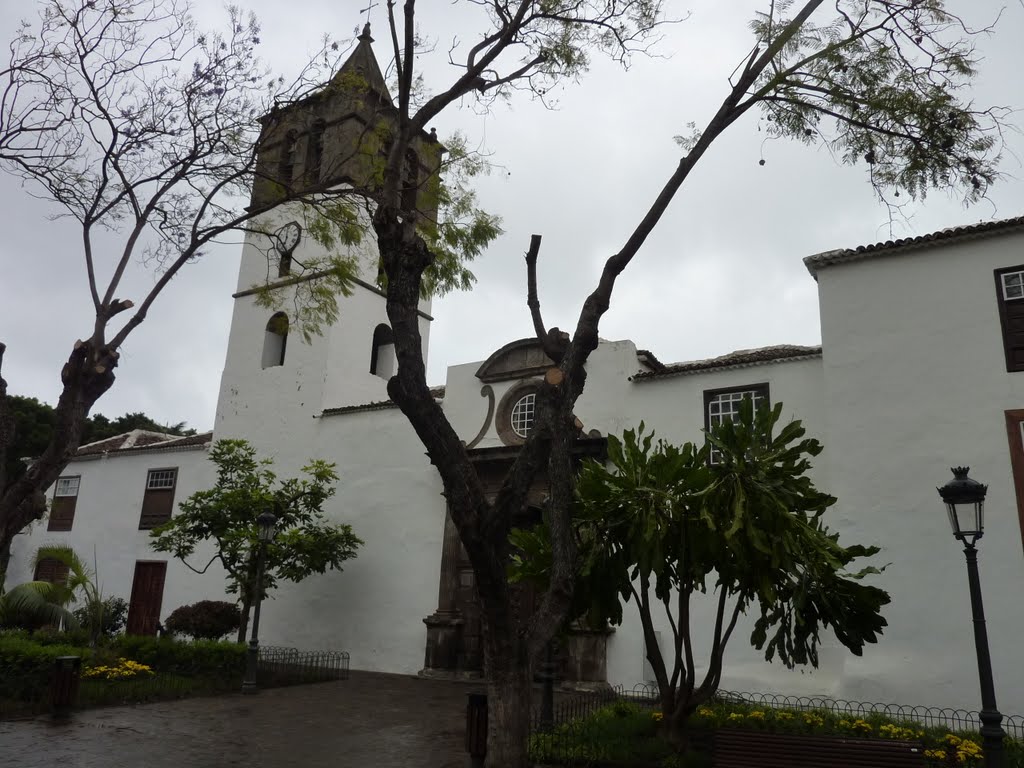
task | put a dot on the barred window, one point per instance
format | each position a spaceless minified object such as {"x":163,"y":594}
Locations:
{"x":523,"y":413}
{"x":723,"y":405}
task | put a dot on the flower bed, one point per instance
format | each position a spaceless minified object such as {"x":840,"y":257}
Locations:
{"x":628,"y":733}
{"x":126,"y":669}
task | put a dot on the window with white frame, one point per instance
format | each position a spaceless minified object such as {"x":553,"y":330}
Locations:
{"x":67,"y":486}
{"x":723,"y":405}
{"x":523,"y":413}
{"x":158,"y":500}
{"x":1013,"y":285}
{"x":1010,"y":298}
{"x":160,"y":479}
{"x":62,"y":508}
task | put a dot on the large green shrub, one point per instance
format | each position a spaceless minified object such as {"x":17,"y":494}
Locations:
{"x":203,"y":658}
{"x":114,"y":615}
{"x":205,"y":620}
{"x":25,"y":665}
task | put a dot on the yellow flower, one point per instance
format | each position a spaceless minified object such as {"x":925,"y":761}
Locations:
{"x":756,"y":715}
{"x":935,"y":754}
{"x":736,"y":716}
{"x":705,"y":712}
{"x":657,"y":715}
{"x":784,"y":715}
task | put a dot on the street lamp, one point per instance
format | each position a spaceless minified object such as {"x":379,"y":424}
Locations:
{"x":266,"y":523}
{"x":965,"y":503}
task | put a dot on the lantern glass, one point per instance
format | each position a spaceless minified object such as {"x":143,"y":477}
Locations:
{"x":266,"y":523}
{"x":964,"y":499}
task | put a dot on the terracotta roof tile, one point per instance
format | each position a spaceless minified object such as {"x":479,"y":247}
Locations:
{"x":379,"y":405}
{"x":139,"y":440}
{"x":741,"y":358}
{"x":895,"y":247}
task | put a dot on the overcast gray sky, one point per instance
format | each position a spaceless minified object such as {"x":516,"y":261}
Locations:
{"x":723,"y":271}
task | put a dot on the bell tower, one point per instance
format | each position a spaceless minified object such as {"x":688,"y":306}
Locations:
{"x":333,"y":140}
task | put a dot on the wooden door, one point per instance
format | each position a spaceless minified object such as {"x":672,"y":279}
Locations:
{"x":147,"y":597}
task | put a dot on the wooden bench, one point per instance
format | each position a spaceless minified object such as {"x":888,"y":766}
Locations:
{"x":737,"y":748}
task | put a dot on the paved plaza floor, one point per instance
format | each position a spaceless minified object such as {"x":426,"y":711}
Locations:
{"x":369,"y":720}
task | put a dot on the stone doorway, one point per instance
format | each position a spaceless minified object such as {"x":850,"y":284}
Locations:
{"x":454,"y":645}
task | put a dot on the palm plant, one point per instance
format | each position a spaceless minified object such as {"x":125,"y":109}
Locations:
{"x":36,"y":604}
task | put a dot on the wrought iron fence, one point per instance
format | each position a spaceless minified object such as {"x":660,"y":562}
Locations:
{"x":574,"y":736}
{"x":279,"y":666}
{"x":29,"y":695}
{"x":942,"y":717}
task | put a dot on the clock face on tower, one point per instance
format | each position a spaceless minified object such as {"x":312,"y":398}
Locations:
{"x":287,"y":237}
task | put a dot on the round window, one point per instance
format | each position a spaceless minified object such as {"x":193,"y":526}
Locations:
{"x":522,"y":414}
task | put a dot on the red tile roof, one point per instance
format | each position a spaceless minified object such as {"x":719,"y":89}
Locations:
{"x":141,"y":440}
{"x":902,"y":245}
{"x":741,"y":358}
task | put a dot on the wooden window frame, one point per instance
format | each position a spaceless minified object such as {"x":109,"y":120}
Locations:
{"x":1001,"y":300}
{"x":158,"y":498}
{"x":60,"y":571}
{"x":62,"y":514}
{"x":711,"y":394}
{"x":1015,"y":437}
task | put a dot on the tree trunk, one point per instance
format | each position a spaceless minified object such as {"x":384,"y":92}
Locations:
{"x":243,"y":625}
{"x":509,"y":693}
{"x":88,"y":373}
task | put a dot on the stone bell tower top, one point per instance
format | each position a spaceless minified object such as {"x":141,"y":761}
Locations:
{"x":340,"y":135}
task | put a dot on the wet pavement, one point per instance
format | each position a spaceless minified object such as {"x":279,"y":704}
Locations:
{"x":369,"y":720}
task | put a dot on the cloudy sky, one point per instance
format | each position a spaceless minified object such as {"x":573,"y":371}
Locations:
{"x":723,"y":271}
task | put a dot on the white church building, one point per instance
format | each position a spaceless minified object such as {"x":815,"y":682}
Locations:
{"x":921,"y":368}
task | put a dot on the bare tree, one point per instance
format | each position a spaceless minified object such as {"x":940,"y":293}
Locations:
{"x":133,"y":121}
{"x":875,"y":80}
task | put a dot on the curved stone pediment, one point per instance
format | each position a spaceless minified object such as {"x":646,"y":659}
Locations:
{"x":516,"y":360}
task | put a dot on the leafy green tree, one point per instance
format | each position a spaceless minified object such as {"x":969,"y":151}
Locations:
{"x":661,"y":525}
{"x":205,"y":620}
{"x":227,"y":515}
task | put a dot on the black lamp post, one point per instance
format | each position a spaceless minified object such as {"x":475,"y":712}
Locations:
{"x":965,"y":503}
{"x":266,"y":523}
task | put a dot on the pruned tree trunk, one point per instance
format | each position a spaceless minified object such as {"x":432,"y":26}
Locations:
{"x":88,"y":373}
{"x":509,"y":693}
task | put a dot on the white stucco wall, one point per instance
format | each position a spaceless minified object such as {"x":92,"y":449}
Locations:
{"x":106,"y":525}
{"x":915,"y":382}
{"x":390,"y":494}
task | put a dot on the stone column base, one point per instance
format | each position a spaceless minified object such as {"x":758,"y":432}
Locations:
{"x":444,"y":634}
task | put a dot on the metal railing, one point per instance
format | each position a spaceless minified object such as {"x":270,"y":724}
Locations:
{"x":576,"y":737}
{"x":31,"y":694}
{"x":280,"y":666}
{"x":930,"y":717}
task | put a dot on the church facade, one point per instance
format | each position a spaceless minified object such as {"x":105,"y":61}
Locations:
{"x":921,"y":368}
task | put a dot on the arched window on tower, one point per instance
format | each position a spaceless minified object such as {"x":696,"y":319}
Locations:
{"x":286,"y":167}
{"x":382,"y":358}
{"x":275,"y":340}
{"x":315,"y":152}
{"x":410,"y":181}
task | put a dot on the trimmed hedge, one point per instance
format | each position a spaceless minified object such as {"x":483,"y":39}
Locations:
{"x":205,"y":620}
{"x":27,"y":662}
{"x":202,"y":658}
